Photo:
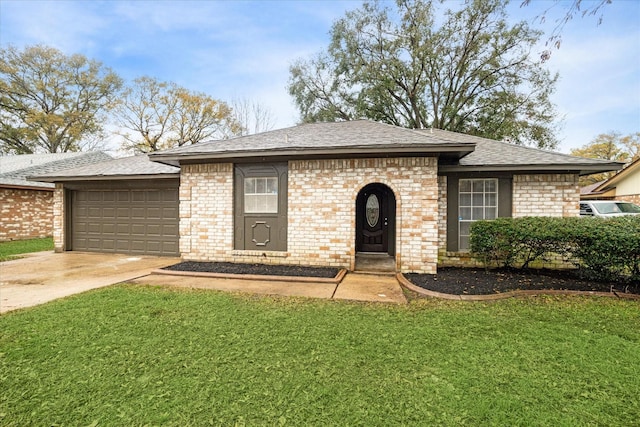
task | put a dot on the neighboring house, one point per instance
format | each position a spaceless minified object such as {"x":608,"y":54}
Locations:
{"x":624,"y":186}
{"x":26,"y":207}
{"x":320,"y":194}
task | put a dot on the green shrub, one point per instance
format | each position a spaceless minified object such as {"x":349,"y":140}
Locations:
{"x":606,"y":249}
{"x":609,"y":248}
{"x":517,"y":242}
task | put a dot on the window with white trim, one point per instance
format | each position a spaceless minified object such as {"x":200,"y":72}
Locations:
{"x":478,"y":199}
{"x":261,"y":195}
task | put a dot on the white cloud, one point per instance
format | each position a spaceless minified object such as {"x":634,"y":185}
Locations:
{"x":232,"y":49}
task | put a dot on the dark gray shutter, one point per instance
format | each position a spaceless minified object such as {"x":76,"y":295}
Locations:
{"x":260,"y":231}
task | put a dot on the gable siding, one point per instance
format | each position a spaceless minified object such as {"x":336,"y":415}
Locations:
{"x":628,"y":188}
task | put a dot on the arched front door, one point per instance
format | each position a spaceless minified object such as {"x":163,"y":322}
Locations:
{"x":375,"y":219}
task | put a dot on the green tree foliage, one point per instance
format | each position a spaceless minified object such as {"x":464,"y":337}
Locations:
{"x":51,"y":102}
{"x":472,"y":73}
{"x":608,"y":146}
{"x":163,"y":115}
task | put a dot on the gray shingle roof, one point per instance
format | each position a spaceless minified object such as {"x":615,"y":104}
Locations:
{"x":492,"y":153}
{"x":363,"y":137}
{"x":305,"y":139}
{"x":123,"y":168}
{"x":460,"y":152}
{"x":14,"y":170}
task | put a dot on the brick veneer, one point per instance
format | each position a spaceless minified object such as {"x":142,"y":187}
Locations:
{"x":633,"y":198}
{"x":206,"y":212}
{"x":25,"y":213}
{"x":321,"y":212}
{"x":546,"y":195}
{"x":58,"y":218}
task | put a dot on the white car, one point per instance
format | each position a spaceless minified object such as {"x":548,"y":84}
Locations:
{"x":607,"y":208}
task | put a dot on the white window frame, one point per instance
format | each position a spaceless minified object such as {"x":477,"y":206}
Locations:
{"x":261,"y":195}
{"x":477,"y":211}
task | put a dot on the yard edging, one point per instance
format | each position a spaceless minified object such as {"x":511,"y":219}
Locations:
{"x":426,"y":292}
{"x":305,"y":279}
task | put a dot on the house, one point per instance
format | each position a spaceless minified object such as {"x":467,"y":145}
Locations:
{"x":315,"y":194}
{"x":624,"y":186}
{"x":26,"y":207}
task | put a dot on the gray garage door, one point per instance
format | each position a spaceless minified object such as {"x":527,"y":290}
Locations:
{"x":133,"y":221}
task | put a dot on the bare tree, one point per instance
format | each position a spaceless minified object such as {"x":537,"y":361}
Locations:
{"x":252,"y":116}
{"x":163,"y":115}
{"x":571,"y":10}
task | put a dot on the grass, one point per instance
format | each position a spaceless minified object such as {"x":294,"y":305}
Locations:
{"x":10,"y":250}
{"x":133,"y":355}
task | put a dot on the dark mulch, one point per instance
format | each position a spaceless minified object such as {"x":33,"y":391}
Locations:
{"x":258,"y":269}
{"x":454,"y":281}
{"x":469,"y":281}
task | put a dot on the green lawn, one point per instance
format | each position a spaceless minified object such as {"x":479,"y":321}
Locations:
{"x":9,"y":250}
{"x":128,"y":355}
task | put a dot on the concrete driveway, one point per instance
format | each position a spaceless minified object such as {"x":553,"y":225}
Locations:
{"x":46,"y":276}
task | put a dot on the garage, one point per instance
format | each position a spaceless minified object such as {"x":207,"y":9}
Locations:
{"x":124,"y":205}
{"x":124,"y":220}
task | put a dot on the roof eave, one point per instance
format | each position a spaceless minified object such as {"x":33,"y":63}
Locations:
{"x":453,"y":150}
{"x":619,"y":176}
{"x":26,"y":187}
{"x":582,"y":169}
{"x":54,"y":179}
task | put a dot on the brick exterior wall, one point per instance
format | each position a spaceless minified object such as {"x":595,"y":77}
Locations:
{"x":633,"y":198}
{"x":206,"y":212}
{"x":25,"y":214}
{"x":321,"y":212}
{"x":333,"y":185}
{"x":555,"y":195}
{"x":58,"y":219}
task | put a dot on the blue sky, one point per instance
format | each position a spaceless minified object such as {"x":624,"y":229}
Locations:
{"x":243,"y":49}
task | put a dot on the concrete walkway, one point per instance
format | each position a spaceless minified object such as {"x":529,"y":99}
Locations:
{"x":355,"y":287}
{"x":370,"y":287}
{"x":45,"y":276}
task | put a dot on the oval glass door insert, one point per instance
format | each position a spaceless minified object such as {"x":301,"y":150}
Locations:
{"x":372,"y":210}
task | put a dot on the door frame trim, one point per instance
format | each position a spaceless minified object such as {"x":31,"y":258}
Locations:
{"x":392,"y":207}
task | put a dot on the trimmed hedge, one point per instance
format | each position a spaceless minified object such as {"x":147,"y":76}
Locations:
{"x":605,"y":249}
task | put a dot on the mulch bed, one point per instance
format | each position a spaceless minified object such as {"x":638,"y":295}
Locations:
{"x":257,"y":269}
{"x":469,"y":281}
{"x":453,"y":281}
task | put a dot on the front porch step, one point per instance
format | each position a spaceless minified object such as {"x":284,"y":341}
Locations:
{"x":374,"y":263}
